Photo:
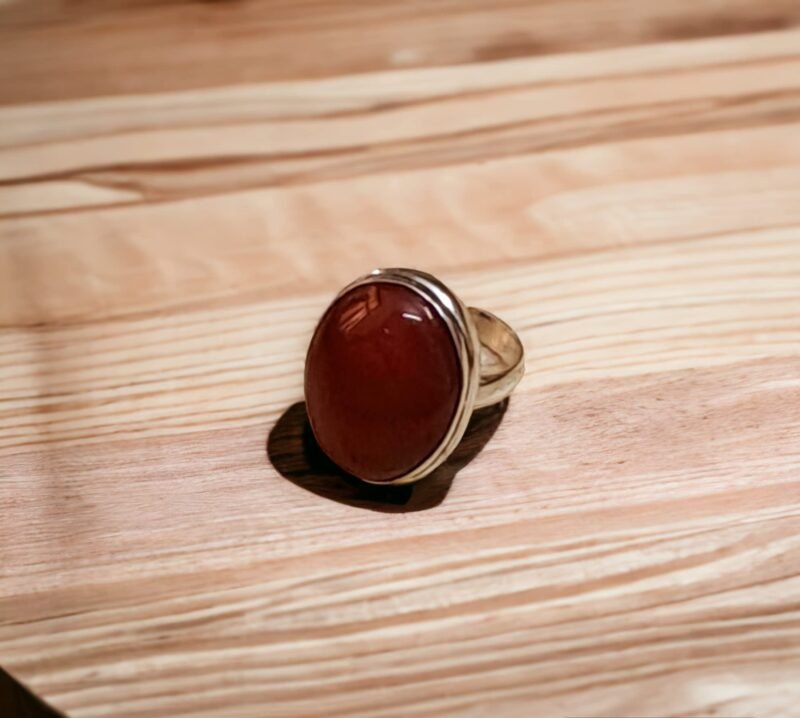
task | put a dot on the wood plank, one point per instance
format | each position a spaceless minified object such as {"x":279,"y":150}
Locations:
{"x":570,"y":575}
{"x":265,"y":137}
{"x":206,"y":228}
{"x":719,"y":299}
{"x":56,"y":51}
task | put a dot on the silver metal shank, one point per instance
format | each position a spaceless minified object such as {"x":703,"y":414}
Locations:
{"x":502,"y":358}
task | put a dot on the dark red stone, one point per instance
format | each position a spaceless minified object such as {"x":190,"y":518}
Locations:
{"x":382,"y":381}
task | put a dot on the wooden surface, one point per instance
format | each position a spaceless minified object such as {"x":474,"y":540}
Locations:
{"x":184,"y":185}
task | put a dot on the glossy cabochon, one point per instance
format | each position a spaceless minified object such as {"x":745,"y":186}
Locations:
{"x":386,"y":377}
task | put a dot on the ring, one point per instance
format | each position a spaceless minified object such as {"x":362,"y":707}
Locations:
{"x":394,"y":370}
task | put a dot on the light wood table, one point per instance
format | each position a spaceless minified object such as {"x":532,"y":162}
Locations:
{"x":183,"y":187}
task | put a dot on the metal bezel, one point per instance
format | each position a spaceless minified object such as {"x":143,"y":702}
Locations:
{"x":465,"y":339}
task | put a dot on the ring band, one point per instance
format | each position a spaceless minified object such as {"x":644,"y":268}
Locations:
{"x":502,"y":358}
{"x":394,"y":370}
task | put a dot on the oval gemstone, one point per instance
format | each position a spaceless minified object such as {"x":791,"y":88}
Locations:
{"x":382,"y":381}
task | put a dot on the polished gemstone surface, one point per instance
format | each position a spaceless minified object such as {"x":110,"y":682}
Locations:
{"x":382,"y":381}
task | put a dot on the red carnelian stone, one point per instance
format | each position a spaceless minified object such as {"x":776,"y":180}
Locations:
{"x":382,"y":381}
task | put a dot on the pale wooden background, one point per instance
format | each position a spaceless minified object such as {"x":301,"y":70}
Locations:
{"x":184,"y":185}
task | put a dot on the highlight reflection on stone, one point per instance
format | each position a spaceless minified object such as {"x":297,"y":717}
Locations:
{"x":382,"y":381}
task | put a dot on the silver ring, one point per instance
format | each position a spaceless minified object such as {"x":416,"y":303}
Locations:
{"x":364,"y":357}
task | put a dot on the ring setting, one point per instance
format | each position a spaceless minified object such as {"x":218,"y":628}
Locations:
{"x":395,"y":368}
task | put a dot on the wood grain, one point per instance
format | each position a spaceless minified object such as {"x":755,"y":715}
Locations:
{"x":184,"y":185}
{"x":65,"y":50}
